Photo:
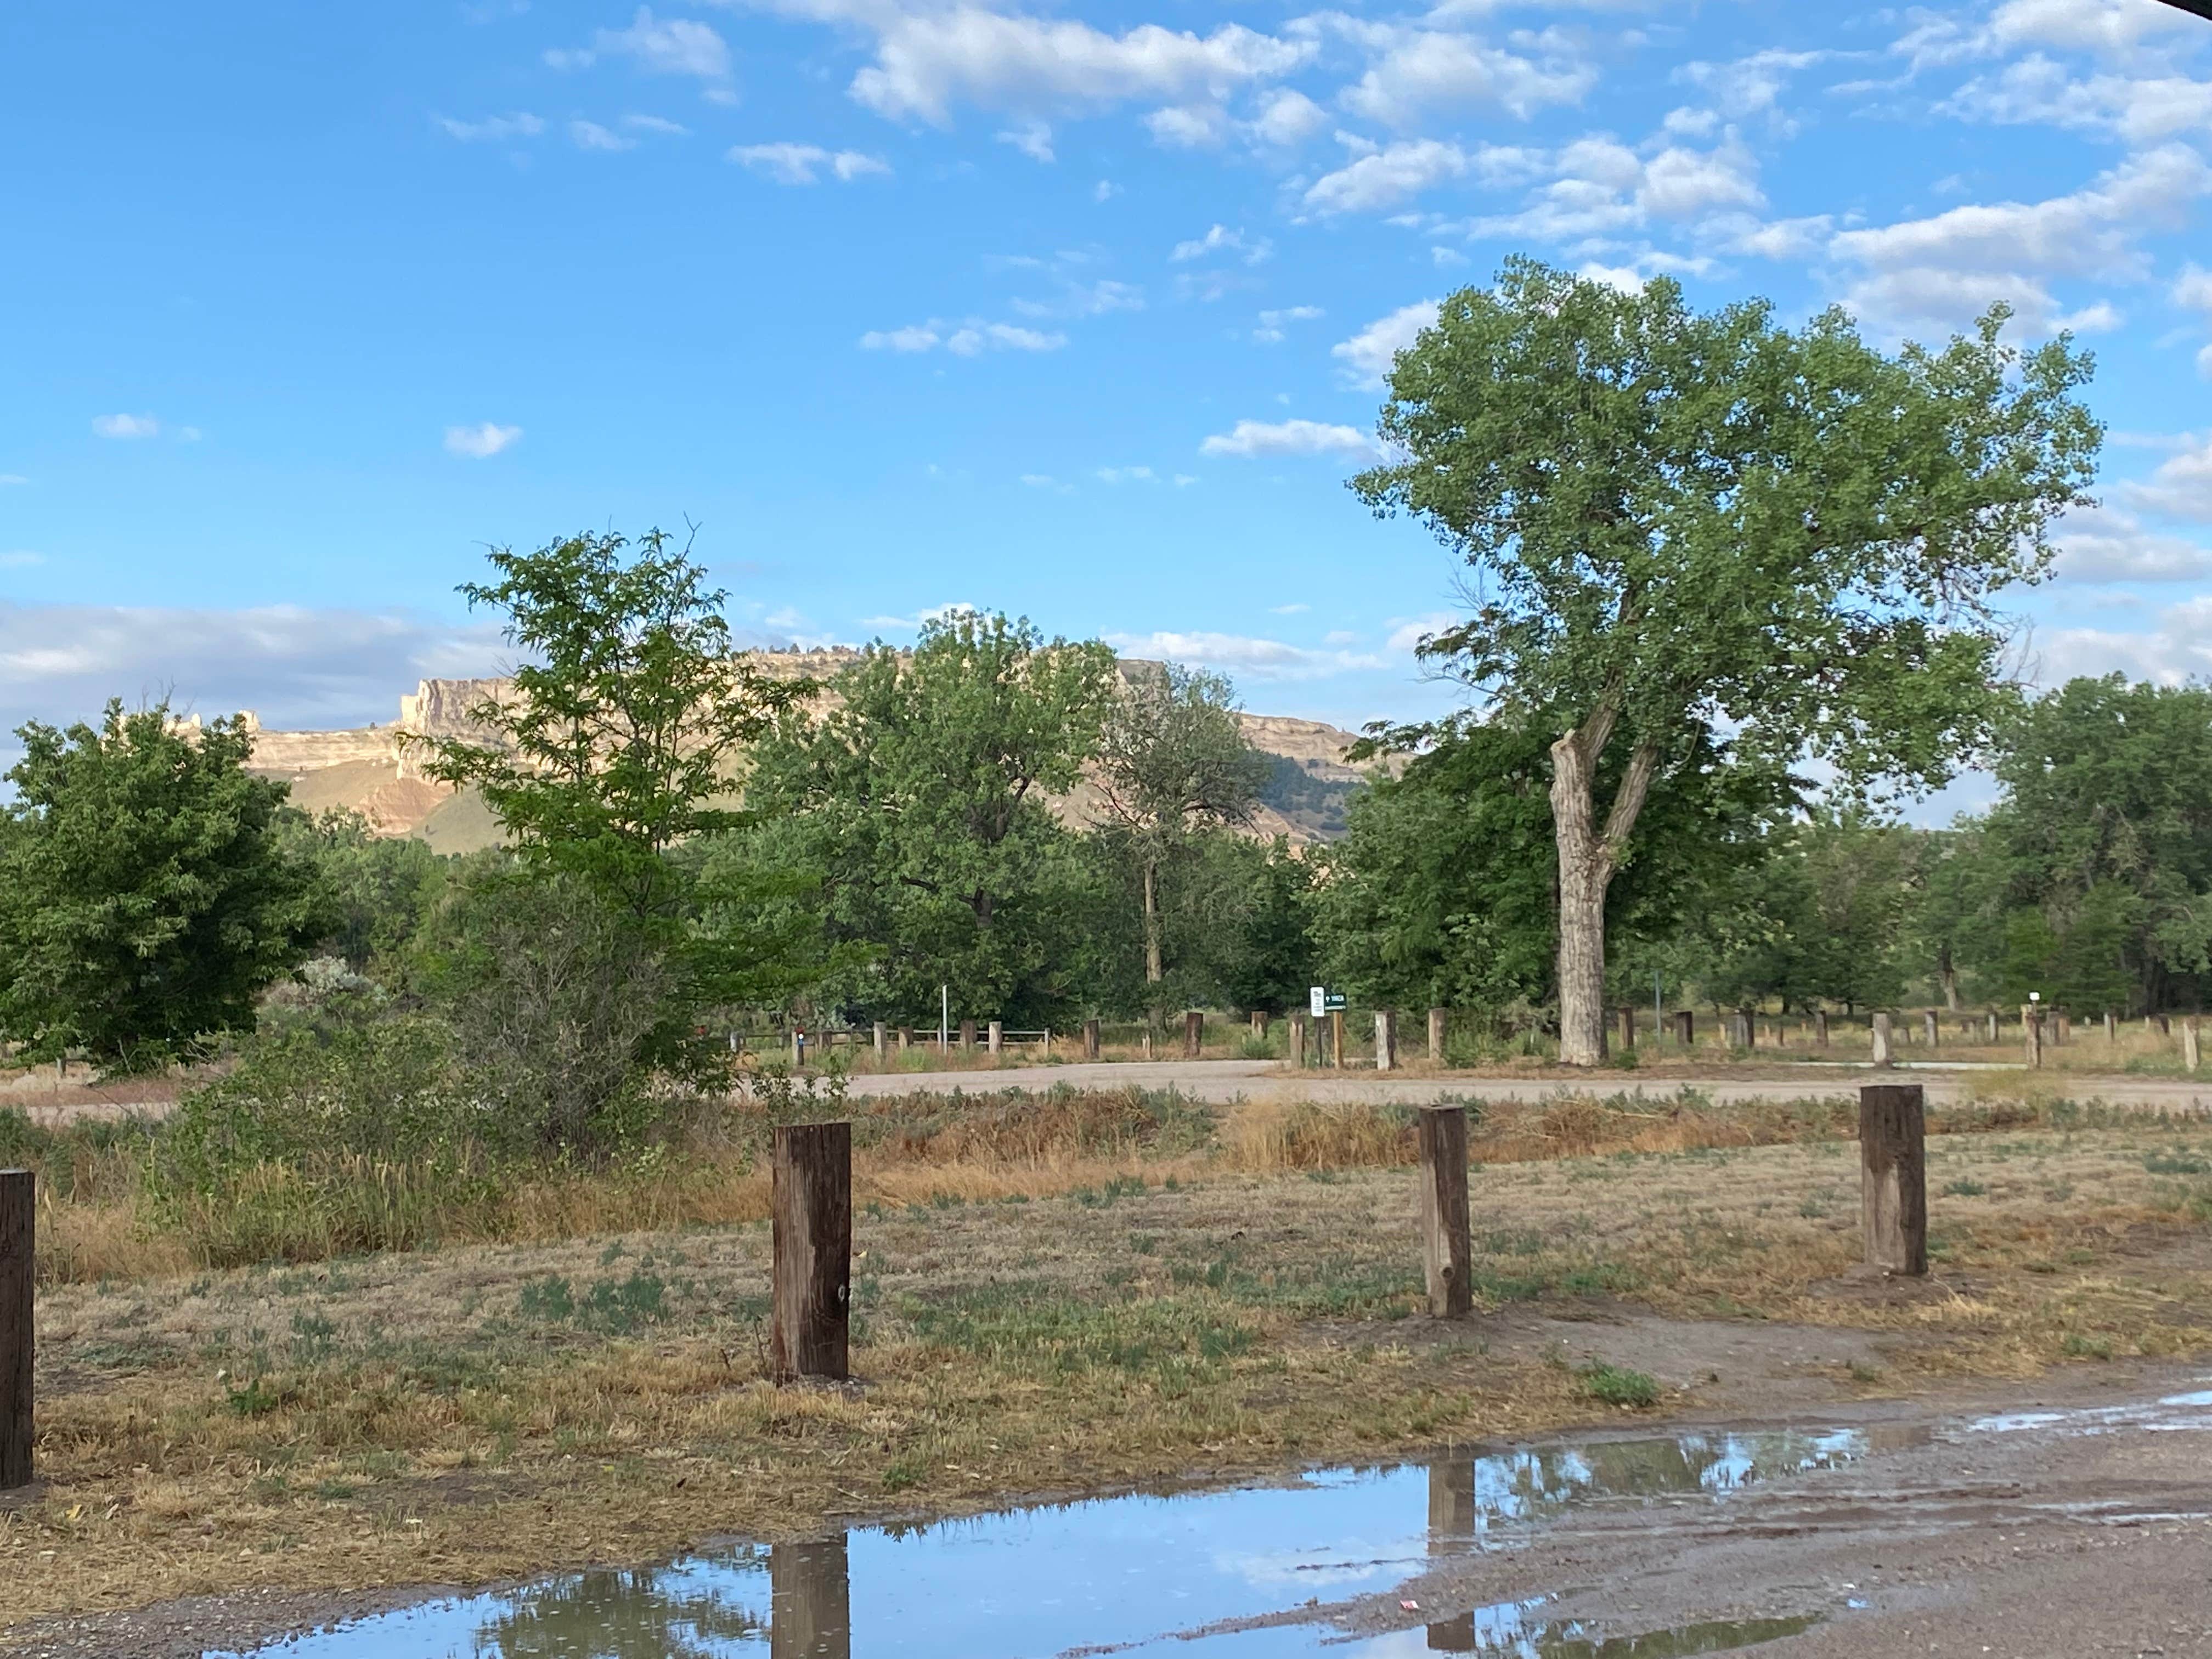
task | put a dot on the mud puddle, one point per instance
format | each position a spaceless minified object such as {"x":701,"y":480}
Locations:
{"x":1245,"y":1574}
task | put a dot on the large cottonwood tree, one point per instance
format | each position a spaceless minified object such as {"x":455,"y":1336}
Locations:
{"x":1684,"y":523}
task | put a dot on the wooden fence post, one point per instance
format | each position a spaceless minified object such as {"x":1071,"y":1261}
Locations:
{"x":2031,"y":1023}
{"x":18,"y":1214}
{"x":1091,"y":1039}
{"x":1194,"y":1034}
{"x":1893,"y":1177}
{"x":812,"y":1238}
{"x":994,"y":1036}
{"x":1627,"y":1023}
{"x":1336,"y":1038}
{"x":1686,"y":1028}
{"x":882,"y":1039}
{"x":1259,"y":1023}
{"x":967,"y":1033}
{"x":1881,"y":1039}
{"x":2112,"y":1027}
{"x":1931,"y":1030}
{"x":2189,"y":1050}
{"x":1386,"y":1039}
{"x":1436,"y":1037}
{"x":1294,"y":1048}
{"x":1447,"y":1251}
{"x":1820,"y":1027}
{"x":1993,"y":1027}
{"x":810,"y":1601}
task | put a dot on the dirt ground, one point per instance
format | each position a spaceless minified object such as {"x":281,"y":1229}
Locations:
{"x":303,"y":1442}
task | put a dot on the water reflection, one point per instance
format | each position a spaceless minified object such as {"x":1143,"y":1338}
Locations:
{"x":1160,"y":1575}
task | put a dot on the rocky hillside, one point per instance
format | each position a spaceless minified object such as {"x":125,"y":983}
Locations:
{"x":371,"y":770}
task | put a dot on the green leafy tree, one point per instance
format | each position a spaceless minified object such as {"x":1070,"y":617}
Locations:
{"x":378,"y":890}
{"x":146,"y":897}
{"x":1679,"y":522}
{"x":1441,"y":893}
{"x":2105,"y":829}
{"x":919,"y":798}
{"x":612,"y":763}
{"x":1172,"y":761}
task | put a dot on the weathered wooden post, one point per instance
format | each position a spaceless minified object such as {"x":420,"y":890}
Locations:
{"x":1736,"y":1037}
{"x":811,"y":1239}
{"x":1686,"y":1028}
{"x":1194,"y":1034}
{"x":2189,"y":1052}
{"x":1628,"y":1024}
{"x":1259,"y":1023}
{"x":1931,"y":1030}
{"x":1820,"y":1027}
{"x":2112,"y":1027}
{"x":1446,"y":1249}
{"x":2030,"y":1033}
{"x":1336,"y":1038}
{"x":1436,"y":1037}
{"x":1993,"y":1027}
{"x":2061,"y":1028}
{"x":18,"y":1214}
{"x":905,"y":1038}
{"x":1893,"y":1177}
{"x":1386,"y":1039}
{"x":2165,"y":1026}
{"x":967,"y":1033}
{"x":882,"y":1037}
{"x":1091,"y":1039}
{"x":810,"y":1601}
{"x":1294,"y":1049}
{"x":1882,"y":1057}
{"x":994,"y":1038}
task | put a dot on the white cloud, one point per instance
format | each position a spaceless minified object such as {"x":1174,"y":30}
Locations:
{"x":928,"y":59}
{"x":2036,"y":91}
{"x":2178,"y":649}
{"x":21,"y":558}
{"x":1299,"y":609}
{"x":1367,"y":356}
{"x":1271,"y":322}
{"x":1240,"y":654}
{"x":126,"y":426}
{"x":1116,"y":474}
{"x":678,"y":46}
{"x":656,"y":125}
{"x":2108,"y":26}
{"x":480,"y":442}
{"x":1086,"y":300}
{"x":590,"y":135}
{"x":1032,"y":138}
{"x":2181,"y":487}
{"x":966,"y":339}
{"x":1601,"y":187}
{"x":10,"y":480}
{"x":1285,"y":119}
{"x":492,"y":128}
{"x":1747,"y":86}
{"x":2104,"y":544}
{"x":1188,"y":127}
{"x":1250,"y":439}
{"x":1407,"y":633}
{"x":1222,"y":240}
{"x":297,"y":668}
{"x":1943,"y":269}
{"x":803,"y":164}
{"x":1417,"y":73}
{"x":915,"y":623}
{"x":1388,"y":177}
{"x":1104,"y":191}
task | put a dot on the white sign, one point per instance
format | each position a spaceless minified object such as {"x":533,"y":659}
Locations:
{"x":1320,"y":1000}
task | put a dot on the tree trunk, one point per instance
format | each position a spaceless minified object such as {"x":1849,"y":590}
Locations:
{"x":1153,"y":973}
{"x":1948,"y":972}
{"x":1587,"y":861}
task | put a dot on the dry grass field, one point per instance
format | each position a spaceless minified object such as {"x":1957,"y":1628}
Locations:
{"x":1051,"y":1297}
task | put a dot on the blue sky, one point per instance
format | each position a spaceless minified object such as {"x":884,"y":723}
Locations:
{"x":1072,"y":310}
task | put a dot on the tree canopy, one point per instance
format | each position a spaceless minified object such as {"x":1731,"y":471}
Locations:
{"x":1680,"y":524}
{"x":145,"y":895}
